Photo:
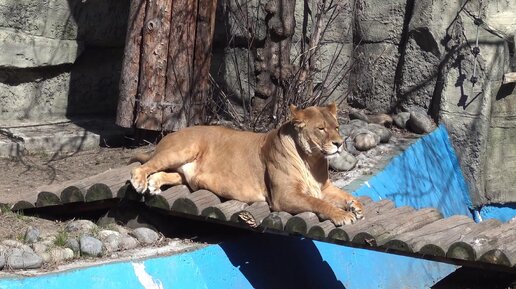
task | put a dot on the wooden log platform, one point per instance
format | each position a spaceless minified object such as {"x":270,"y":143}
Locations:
{"x":422,"y":233}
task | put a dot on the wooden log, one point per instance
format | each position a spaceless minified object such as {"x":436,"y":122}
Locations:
{"x":72,"y":194}
{"x":509,"y":77}
{"x":377,"y":208}
{"x":153,"y":64}
{"x":465,"y":247}
{"x":301,"y":223}
{"x":339,"y":235}
{"x":21,"y":205}
{"x":276,"y":220}
{"x":130,"y":66}
{"x":321,"y":231}
{"x":166,"y":199}
{"x":505,"y":251}
{"x":252,"y":215}
{"x":436,"y":233}
{"x":384,"y":230}
{"x":180,"y":66}
{"x":128,"y":192}
{"x":194,"y":203}
{"x":225,"y":210}
{"x":365,"y":200}
{"x":47,"y":199}
{"x":98,"y":192}
{"x":358,"y":227}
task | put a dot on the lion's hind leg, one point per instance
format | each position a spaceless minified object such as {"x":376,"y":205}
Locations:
{"x":159,"y":179}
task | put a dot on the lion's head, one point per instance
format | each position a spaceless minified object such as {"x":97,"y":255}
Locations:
{"x":317,"y":130}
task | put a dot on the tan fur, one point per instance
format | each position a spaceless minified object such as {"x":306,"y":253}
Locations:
{"x":287,"y":167}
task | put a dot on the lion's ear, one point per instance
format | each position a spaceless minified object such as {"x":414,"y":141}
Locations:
{"x":332,"y":107}
{"x":296,"y":116}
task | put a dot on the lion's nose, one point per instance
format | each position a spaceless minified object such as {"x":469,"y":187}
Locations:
{"x":338,"y":143}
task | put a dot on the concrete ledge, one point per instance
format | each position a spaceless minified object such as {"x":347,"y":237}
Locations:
{"x":22,"y":50}
{"x":65,"y":136}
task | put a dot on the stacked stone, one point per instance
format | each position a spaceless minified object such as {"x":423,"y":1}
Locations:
{"x":80,"y":238}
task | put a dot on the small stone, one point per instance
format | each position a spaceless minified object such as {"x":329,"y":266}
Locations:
{"x":420,"y":123}
{"x":145,"y":235}
{"x":128,"y":242}
{"x":19,"y":259}
{"x":346,"y":129}
{"x":401,"y":119}
{"x":343,"y":162}
{"x":80,"y":225}
{"x":106,"y":233}
{"x":73,"y":244}
{"x":90,"y":246}
{"x":39,"y":248}
{"x":16,"y":244}
{"x":121,"y":229}
{"x":366,"y":141}
{"x":381,"y":131}
{"x":350,"y":146}
{"x":358,"y":114}
{"x":31,"y":235}
{"x":58,"y":255}
{"x":112,"y":243}
{"x":382,"y":119}
{"x":358,"y":123}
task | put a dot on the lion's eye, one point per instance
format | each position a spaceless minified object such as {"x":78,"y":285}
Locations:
{"x":321,"y":128}
{"x":337,"y":128}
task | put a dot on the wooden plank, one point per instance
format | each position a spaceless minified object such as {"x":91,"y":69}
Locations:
{"x":129,"y":75}
{"x":72,"y":194}
{"x":153,"y":64}
{"x":435,"y":233}
{"x":225,"y":210}
{"x":503,"y":250}
{"x":301,"y":223}
{"x":509,"y":77}
{"x":321,"y":231}
{"x":276,"y":220}
{"x":47,"y":199}
{"x":385,"y":229}
{"x":466,"y":247}
{"x":166,"y":199}
{"x":194,"y":203}
{"x":252,"y":215}
{"x":178,"y":90}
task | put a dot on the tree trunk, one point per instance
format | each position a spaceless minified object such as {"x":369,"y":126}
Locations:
{"x":130,"y":66}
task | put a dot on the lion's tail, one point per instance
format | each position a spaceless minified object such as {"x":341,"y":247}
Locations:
{"x":141,"y":158}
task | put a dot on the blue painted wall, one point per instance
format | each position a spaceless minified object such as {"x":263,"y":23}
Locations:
{"x":500,"y":212}
{"x":427,"y":174}
{"x":252,"y":261}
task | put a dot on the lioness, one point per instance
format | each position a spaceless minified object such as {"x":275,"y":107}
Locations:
{"x":287,"y":167}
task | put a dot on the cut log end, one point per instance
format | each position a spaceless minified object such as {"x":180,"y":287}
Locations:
{"x":72,"y":194}
{"x":338,"y":235}
{"x":47,"y":199}
{"x":461,"y":251}
{"x":432,"y":250}
{"x":98,"y":192}
{"x":495,"y":256}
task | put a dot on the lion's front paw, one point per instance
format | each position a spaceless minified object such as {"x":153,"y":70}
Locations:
{"x":357,"y":208}
{"x":342,"y":217}
{"x":139,"y":180}
{"x":155,"y":184}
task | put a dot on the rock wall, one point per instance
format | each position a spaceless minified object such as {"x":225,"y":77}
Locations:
{"x":60,"y":58}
